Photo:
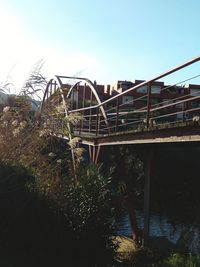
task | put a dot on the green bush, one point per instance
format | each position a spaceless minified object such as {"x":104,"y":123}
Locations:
{"x":177,"y":260}
{"x":88,"y":214}
{"x":61,"y":209}
{"x":146,"y":257}
{"x":76,"y":226}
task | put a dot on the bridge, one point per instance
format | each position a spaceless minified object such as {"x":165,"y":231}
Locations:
{"x":142,"y":119}
{"x":148,"y":112}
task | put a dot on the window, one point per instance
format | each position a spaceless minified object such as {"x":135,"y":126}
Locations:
{"x":180,"y":106}
{"x":155,"y":89}
{"x":195,"y":92}
{"x":194,"y":104}
{"x":180,"y":115}
{"x":127,"y":99}
{"x":142,"y":89}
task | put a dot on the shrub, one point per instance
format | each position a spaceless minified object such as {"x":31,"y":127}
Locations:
{"x":77,"y":228}
{"x":86,"y":212}
{"x":61,"y":208}
{"x":145,"y":257}
{"x":89,"y":214}
{"x":178,"y":260}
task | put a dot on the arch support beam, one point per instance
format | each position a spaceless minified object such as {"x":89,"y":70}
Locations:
{"x":93,"y":90}
{"x":94,"y":154}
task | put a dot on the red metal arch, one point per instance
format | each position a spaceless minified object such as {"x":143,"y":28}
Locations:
{"x":56,"y":85}
{"x":92,"y":87}
{"x":52,"y":88}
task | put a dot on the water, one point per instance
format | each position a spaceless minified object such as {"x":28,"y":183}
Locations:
{"x":160,"y":226}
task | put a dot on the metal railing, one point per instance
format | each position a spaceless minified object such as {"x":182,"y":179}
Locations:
{"x":115,"y":115}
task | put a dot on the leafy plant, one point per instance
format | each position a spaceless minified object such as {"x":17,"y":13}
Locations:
{"x":79,"y":211}
{"x":177,"y":260}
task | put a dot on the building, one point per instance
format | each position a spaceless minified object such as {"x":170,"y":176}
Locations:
{"x":161,"y":95}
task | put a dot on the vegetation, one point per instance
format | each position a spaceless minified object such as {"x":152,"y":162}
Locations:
{"x":78,"y":229}
{"x":146,"y":257}
{"x":55,"y":212}
{"x":177,"y":260}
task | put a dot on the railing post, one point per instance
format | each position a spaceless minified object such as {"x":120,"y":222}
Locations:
{"x":90,"y":116}
{"x":97,"y":121}
{"x":117,"y":113}
{"x":83,"y":105}
{"x":77,"y":97}
{"x":48,"y":95}
{"x":148,"y":103}
{"x":80,"y":123}
{"x":76,"y":104}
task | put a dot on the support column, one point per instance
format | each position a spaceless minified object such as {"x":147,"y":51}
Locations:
{"x":147,"y":184}
{"x":94,"y":153}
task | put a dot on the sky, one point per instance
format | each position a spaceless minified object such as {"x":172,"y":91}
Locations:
{"x":103,"y":40}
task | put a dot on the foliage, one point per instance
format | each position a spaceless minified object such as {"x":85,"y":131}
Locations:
{"x":177,"y":260}
{"x":79,"y":228}
{"x":92,"y":196}
{"x":72,"y":217}
{"x":87,"y":210}
{"x":24,"y":141}
{"x":127,"y":170}
{"x":145,"y":257}
{"x":35,"y":83}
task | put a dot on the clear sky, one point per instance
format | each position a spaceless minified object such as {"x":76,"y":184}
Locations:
{"x":104,"y":40}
